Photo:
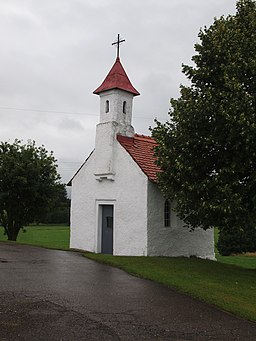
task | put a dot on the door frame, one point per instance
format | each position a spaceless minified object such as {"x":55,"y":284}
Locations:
{"x":98,"y":232}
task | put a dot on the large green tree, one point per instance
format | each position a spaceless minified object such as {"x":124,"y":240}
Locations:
{"x":207,"y":149}
{"x":29,"y":185}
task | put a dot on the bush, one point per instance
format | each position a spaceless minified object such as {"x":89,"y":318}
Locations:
{"x":236,"y":241}
{"x":57,"y":216}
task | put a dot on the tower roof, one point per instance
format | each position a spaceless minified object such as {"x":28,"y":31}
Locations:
{"x":117,"y":79}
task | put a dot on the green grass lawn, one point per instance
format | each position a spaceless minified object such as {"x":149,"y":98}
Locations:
{"x":229,"y":287}
{"x":54,"y":237}
{"x":248,"y":262}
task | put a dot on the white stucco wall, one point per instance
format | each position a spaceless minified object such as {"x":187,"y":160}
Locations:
{"x":116,"y":97}
{"x":128,"y":193}
{"x":175,"y":240}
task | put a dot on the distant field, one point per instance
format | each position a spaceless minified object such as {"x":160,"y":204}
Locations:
{"x":51,"y":236}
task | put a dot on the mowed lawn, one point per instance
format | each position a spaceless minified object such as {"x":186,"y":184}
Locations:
{"x":229,"y":283}
{"x":229,"y":287}
{"x":245,"y":260}
{"x":50,"y":236}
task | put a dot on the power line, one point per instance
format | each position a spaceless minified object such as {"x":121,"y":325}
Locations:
{"x":49,"y":111}
{"x":67,"y":112}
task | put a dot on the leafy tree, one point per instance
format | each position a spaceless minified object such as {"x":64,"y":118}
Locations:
{"x":207,"y":150}
{"x":29,"y":185}
{"x":60,"y":213}
{"x":236,"y":241}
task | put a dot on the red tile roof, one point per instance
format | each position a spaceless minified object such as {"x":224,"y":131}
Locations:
{"x":116,"y":79}
{"x":140,"y":148}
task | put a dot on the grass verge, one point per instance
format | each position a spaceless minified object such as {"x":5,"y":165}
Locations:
{"x":243,"y":260}
{"x":228,"y":287}
{"x":50,"y":236}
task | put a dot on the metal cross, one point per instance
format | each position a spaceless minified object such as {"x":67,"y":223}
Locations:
{"x":118,"y":43}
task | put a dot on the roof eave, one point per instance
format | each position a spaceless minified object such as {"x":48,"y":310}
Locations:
{"x":99,"y":91}
{"x":70,"y":181}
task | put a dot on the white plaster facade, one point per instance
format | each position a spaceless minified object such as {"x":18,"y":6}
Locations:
{"x":110,"y":176}
{"x":175,"y":240}
{"x":127,"y":192}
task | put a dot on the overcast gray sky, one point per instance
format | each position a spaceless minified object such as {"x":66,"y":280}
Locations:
{"x":55,"y":53}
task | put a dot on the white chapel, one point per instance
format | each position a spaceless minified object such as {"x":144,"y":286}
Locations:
{"x":116,"y":205}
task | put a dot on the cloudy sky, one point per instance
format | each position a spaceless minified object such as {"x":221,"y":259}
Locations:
{"x":55,"y":53}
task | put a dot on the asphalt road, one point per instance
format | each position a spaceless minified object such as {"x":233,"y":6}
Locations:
{"x":50,"y":295}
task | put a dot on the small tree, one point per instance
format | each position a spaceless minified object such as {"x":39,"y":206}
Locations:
{"x":207,"y":151}
{"x":29,"y":185}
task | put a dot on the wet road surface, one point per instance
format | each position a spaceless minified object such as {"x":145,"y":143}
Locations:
{"x":57,"y":295}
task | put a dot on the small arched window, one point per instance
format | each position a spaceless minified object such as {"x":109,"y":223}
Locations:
{"x":124,"y":107}
{"x":107,"y":106}
{"x":167,"y":213}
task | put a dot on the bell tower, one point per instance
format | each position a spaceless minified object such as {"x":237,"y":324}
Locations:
{"x":116,"y":100}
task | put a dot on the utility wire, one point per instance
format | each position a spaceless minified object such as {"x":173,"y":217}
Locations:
{"x":65,"y":112}
{"x":49,"y":111}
